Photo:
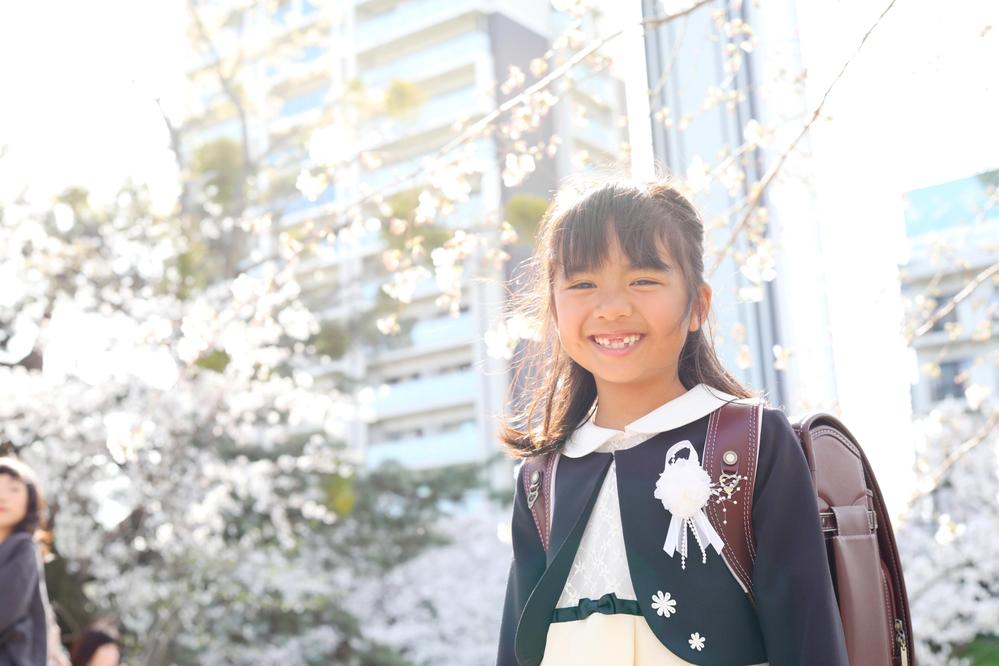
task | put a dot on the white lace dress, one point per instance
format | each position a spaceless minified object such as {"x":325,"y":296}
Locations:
{"x":601,"y":568}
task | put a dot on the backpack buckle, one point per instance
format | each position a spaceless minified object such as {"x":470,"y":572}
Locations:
{"x":532,"y":491}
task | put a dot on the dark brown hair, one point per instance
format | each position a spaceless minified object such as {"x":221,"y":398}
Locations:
{"x":649,"y":219}
{"x":34,"y":518}
{"x":90,"y":641}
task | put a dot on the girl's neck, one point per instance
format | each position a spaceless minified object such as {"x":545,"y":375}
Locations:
{"x":617,"y":406}
{"x":4,"y":533}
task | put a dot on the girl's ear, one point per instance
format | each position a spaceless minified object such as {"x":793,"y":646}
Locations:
{"x":701,"y":308}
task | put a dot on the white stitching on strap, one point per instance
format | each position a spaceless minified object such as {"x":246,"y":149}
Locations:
{"x":546,"y":495}
{"x":744,"y":580}
{"x":755,"y":424}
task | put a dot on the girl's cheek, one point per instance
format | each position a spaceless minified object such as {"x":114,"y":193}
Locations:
{"x":20,"y":509}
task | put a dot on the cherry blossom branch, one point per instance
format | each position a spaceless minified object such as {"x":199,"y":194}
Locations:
{"x":941,"y":576}
{"x":226,"y":82}
{"x":956,"y":456}
{"x":175,"y":134}
{"x":979,"y":279}
{"x":674,"y":54}
{"x":759,"y":188}
{"x":478,"y":127}
{"x":949,"y":306}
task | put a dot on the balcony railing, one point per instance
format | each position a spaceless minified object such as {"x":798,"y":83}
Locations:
{"x":426,"y":393}
{"x":447,"y":448}
{"x":304,"y":102}
{"x":390,"y":177}
{"x":443,"y":331}
{"x":440,"y":111}
{"x":407,"y":17}
{"x":428,"y":62}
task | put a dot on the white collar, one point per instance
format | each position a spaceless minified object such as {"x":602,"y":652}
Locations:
{"x":696,"y":403}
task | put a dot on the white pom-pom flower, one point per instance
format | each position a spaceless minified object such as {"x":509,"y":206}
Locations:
{"x":684,"y":488}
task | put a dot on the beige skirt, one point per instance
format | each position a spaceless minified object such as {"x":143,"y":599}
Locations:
{"x":601,"y":640}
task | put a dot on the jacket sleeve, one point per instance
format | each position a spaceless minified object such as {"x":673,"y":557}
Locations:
{"x":19,"y":574}
{"x":795,"y":599}
{"x":526,"y":568}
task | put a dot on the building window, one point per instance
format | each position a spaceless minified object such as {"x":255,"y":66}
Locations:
{"x":452,"y":426}
{"x":304,"y":102}
{"x":950,"y":317}
{"x":311,"y":52}
{"x":950,"y":383}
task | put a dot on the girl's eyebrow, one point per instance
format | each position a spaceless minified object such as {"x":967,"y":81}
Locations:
{"x":666,"y":268}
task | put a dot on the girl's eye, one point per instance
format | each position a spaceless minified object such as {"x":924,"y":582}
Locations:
{"x":580,"y":284}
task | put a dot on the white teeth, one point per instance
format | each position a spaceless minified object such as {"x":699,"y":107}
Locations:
{"x":617,"y":343}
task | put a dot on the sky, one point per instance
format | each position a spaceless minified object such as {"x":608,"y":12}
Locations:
{"x":84,"y":77}
{"x":921,"y":95}
{"x":79,"y":80}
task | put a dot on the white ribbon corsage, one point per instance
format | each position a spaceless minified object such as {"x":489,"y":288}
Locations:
{"x":684,"y":489}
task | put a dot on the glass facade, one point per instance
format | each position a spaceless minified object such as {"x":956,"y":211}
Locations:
{"x":952,"y":205}
{"x":686,"y":65}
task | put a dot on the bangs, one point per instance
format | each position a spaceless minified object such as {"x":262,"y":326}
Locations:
{"x":17,"y":470}
{"x":6,"y":470}
{"x":645,"y":233}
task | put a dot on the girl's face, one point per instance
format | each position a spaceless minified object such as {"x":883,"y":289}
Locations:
{"x":106,"y":655}
{"x":620,"y":300}
{"x":13,"y":502}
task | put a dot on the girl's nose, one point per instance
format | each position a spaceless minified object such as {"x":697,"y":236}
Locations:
{"x":613,"y":305}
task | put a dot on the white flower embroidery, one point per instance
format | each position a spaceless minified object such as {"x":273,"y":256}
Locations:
{"x":663,"y":604}
{"x":696,"y":641}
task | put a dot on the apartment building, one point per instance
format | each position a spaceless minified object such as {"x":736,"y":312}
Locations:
{"x":953,"y":233}
{"x":427,"y":396}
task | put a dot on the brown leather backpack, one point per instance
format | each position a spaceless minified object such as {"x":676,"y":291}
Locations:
{"x":863,"y":555}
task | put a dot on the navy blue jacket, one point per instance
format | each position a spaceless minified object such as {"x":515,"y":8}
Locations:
{"x":23,"y":627}
{"x":796,"y":621}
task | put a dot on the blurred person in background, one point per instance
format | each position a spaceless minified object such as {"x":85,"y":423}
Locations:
{"x":24,"y":605}
{"x":98,"y":645}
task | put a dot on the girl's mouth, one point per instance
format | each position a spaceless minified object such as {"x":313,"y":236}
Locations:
{"x":617,"y":347}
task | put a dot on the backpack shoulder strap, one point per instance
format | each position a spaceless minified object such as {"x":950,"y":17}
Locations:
{"x":536,"y":477}
{"x":731,"y":452}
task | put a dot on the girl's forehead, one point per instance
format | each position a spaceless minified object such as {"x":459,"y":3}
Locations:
{"x":11,"y":479}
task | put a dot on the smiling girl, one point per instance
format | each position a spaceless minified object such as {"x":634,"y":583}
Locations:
{"x":23,"y":601}
{"x":625,"y":382}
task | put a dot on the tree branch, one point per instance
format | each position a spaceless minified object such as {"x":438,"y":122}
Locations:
{"x":956,"y":456}
{"x":178,"y":156}
{"x":759,"y":188}
{"x":229,"y":87}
